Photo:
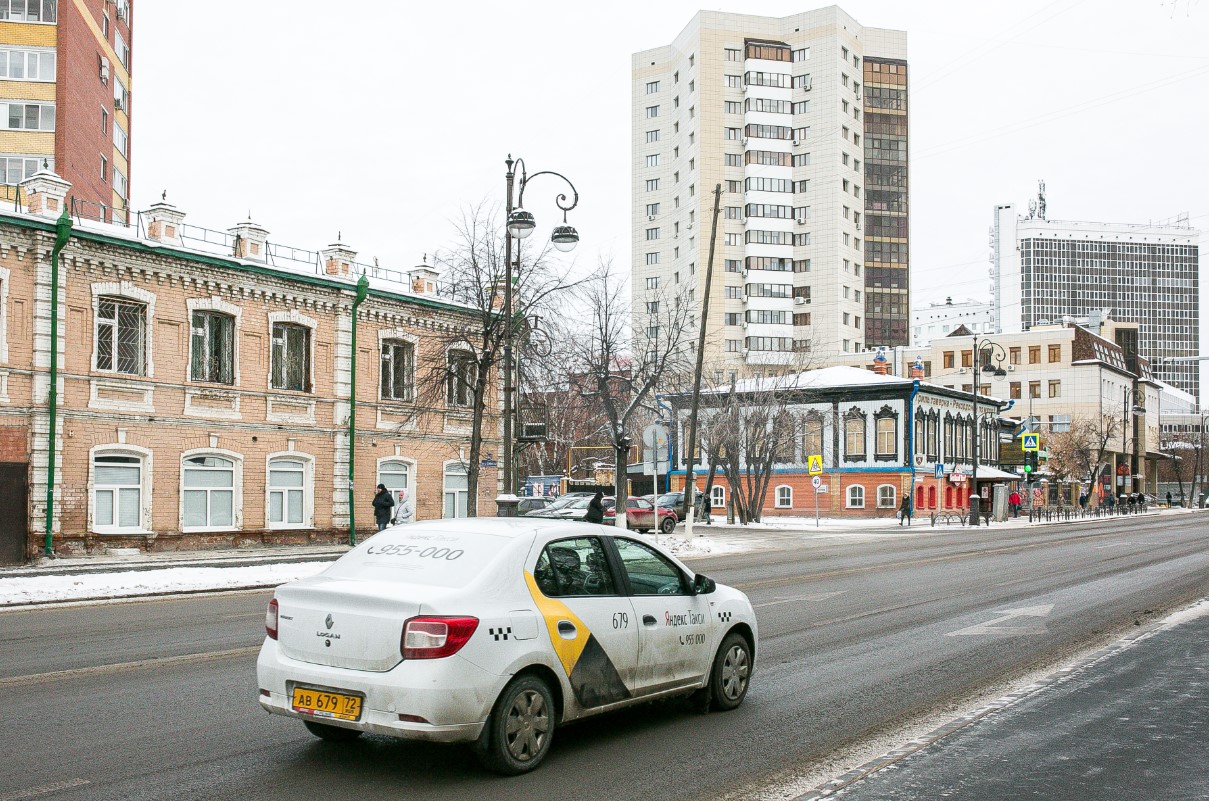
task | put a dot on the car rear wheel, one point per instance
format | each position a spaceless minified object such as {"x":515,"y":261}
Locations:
{"x":333,"y":734}
{"x":517,"y":736}
{"x":731,"y":672}
{"x":667,"y":525}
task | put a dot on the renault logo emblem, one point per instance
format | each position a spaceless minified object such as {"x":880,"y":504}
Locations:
{"x":328,"y":622}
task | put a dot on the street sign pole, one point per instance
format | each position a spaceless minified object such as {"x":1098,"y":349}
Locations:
{"x":816,"y":482}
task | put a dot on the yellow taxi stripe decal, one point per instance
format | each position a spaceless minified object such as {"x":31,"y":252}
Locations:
{"x":553,"y":611}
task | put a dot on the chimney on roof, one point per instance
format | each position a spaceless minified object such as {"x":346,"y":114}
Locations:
{"x":880,"y":365}
{"x":917,"y":369}
{"x":165,"y":221}
{"x":251,"y":240}
{"x":338,"y":259}
{"x":45,"y":193}
{"x":423,"y":279}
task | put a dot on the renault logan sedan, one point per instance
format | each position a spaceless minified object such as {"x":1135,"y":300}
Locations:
{"x":495,"y":632}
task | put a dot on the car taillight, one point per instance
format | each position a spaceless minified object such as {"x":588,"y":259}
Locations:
{"x":270,"y":619}
{"x":433,"y":637}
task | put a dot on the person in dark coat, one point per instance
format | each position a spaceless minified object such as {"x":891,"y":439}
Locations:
{"x":383,"y":503}
{"x":904,"y":511}
{"x":595,"y":509}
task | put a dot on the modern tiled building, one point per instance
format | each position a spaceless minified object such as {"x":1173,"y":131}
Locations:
{"x":802,"y":121}
{"x":1043,"y":271}
{"x":65,"y":82}
{"x":937,"y":319}
{"x":204,"y":386}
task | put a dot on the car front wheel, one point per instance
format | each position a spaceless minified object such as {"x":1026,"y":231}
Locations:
{"x":517,"y":736}
{"x":332,"y":734}
{"x":667,"y":525}
{"x":731,"y":673}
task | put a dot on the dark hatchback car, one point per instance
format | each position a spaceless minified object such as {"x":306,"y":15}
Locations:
{"x":530,"y":505}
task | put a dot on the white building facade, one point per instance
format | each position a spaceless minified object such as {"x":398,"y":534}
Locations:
{"x":941,"y":318}
{"x":773,"y":111}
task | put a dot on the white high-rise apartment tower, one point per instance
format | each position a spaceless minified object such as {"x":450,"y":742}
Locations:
{"x":802,"y":120}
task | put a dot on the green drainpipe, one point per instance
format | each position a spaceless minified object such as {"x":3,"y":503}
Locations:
{"x":62,"y":234}
{"x":362,"y":291}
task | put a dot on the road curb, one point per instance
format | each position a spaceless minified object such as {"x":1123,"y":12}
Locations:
{"x":140,"y":566}
{"x":1123,"y":643}
{"x":27,"y":605}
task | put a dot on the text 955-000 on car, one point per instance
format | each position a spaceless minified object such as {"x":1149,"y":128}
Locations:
{"x":495,"y":632}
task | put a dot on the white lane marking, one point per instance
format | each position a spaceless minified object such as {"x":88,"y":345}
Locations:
{"x":818,"y":596}
{"x":992,"y":626}
{"x":46,"y":789}
{"x":1113,"y":545}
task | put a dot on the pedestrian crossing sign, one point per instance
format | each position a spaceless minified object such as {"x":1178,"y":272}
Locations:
{"x":814,"y":464}
{"x":1030,"y":442}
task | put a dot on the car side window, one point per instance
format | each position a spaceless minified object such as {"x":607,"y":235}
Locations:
{"x":573,"y":567}
{"x":649,"y":572}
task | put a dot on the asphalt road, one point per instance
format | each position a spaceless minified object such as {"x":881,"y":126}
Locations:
{"x":156,"y":700}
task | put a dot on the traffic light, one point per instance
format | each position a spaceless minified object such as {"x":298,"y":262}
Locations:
{"x":1030,"y":466}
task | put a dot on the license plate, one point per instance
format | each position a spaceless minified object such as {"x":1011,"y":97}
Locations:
{"x":323,"y":704}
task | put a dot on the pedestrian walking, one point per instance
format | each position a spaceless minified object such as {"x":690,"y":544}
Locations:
{"x":383,"y":503}
{"x":1168,"y":498}
{"x":1014,"y":501}
{"x":1109,"y":501}
{"x":904,"y":511}
{"x":403,"y":511}
{"x":1083,"y":501}
{"x":595,"y":509}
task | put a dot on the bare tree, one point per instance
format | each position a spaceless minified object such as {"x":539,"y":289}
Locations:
{"x":620,"y":368}
{"x":1185,"y":453}
{"x":473,"y":275}
{"x":1080,"y":453}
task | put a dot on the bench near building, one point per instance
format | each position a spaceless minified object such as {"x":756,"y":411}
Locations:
{"x":878,"y":435}
{"x":204,"y":385}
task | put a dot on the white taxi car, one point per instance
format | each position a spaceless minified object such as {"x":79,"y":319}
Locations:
{"x":494,"y":631}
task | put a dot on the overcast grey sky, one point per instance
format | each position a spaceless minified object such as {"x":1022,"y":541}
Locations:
{"x":382,"y":120}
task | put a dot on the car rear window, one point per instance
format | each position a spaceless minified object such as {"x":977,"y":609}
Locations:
{"x":446,"y":558}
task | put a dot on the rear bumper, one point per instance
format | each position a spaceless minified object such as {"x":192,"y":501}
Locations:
{"x":453,"y":695}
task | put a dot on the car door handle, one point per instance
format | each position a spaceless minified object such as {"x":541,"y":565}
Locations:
{"x":566,"y":629}
{"x":649,"y":620}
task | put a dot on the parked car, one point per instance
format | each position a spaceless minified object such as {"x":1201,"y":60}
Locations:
{"x":528,"y":506}
{"x":673,"y":500}
{"x":495,"y":632}
{"x":558,"y":508}
{"x":641,"y":515}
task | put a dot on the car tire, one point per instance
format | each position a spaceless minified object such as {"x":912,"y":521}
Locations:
{"x":643,"y":530}
{"x":667,"y":525}
{"x":332,"y":734}
{"x":731,"y":673}
{"x":517,"y":736}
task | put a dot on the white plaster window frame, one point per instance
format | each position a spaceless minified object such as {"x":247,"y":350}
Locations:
{"x":893,"y":504}
{"x":398,"y":335}
{"x":236,"y":489}
{"x":125,"y":290}
{"x":779,"y":504}
{"x":308,"y":491}
{"x":4,"y":284}
{"x":445,"y":486}
{"x":145,"y":488}
{"x":413,"y":467}
{"x":216,"y":304}
{"x":848,"y":497}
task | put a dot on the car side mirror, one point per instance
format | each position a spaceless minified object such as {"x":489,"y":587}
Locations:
{"x":703,"y":585}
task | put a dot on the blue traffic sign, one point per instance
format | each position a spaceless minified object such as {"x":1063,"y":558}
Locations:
{"x":940,"y":471}
{"x":1030,"y":442}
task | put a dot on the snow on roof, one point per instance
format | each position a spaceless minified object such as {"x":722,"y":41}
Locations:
{"x":822,"y":378}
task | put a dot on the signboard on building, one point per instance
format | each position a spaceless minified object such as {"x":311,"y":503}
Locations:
{"x":814,"y":465}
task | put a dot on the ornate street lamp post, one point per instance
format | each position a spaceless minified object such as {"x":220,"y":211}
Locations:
{"x":982,"y":364}
{"x":520,"y":224}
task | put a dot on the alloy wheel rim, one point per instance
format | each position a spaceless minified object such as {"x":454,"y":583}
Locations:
{"x":734,"y":672}
{"x":527,"y":727}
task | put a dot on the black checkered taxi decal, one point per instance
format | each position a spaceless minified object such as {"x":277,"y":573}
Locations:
{"x":502,"y":633}
{"x":724,"y":617}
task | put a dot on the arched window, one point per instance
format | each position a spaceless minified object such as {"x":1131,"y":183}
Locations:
{"x":717,"y":497}
{"x":396,"y":476}
{"x":887,"y":497}
{"x":457,"y":489}
{"x":854,"y":436}
{"x":289,"y":502}
{"x":784,"y":497}
{"x":931,"y":497}
{"x":919,"y":497}
{"x":948,"y":497}
{"x":209,"y":492}
{"x":856,"y":497}
{"x":120,"y":490}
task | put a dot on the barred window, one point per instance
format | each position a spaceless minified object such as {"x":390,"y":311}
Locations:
{"x":291,"y":357}
{"x":398,"y":370}
{"x":463,"y":373}
{"x":121,"y":332}
{"x":212,"y":356}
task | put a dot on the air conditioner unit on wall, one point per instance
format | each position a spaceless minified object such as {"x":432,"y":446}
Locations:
{"x":961,"y":370}
{"x":800,"y":301}
{"x":651,"y":218}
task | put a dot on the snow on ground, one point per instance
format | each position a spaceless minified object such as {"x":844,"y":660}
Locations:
{"x":129,"y":583}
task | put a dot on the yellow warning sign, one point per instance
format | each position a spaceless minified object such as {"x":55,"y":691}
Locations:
{"x":814,"y":465}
